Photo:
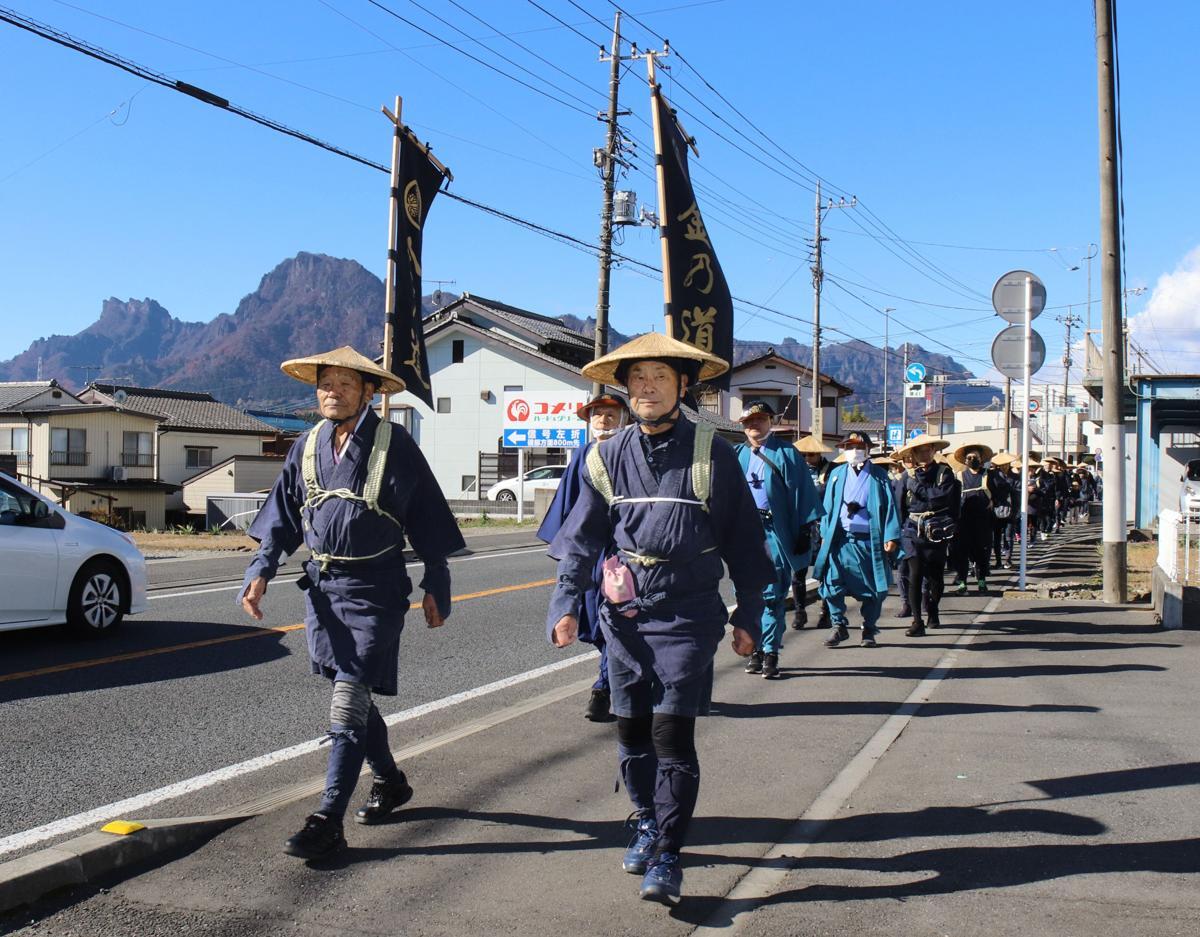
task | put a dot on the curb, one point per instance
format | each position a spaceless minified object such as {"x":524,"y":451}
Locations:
{"x":93,"y":855}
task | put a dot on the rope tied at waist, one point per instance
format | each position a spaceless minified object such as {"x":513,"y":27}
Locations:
{"x":642,"y":559}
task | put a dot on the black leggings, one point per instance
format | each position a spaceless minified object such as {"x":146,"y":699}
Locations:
{"x":673,"y":737}
{"x":926,"y":567}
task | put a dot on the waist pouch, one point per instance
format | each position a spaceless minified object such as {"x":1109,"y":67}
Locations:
{"x":937,"y":529}
{"x":618,"y":585}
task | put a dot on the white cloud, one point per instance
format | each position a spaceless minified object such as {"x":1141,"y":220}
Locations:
{"x":1168,"y":328}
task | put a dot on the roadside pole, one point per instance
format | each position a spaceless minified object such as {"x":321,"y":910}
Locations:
{"x":520,"y":484}
{"x":1025,"y":438}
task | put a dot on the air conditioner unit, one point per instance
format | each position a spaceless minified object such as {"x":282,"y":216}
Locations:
{"x":117,"y":473}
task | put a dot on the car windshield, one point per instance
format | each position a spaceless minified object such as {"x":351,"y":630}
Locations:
{"x":1193,"y":470}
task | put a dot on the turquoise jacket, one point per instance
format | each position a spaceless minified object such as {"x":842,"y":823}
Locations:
{"x":885,"y":526}
{"x":792,"y":496}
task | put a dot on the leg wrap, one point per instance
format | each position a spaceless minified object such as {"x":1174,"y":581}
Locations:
{"x":638,"y":761}
{"x":378,"y":750}
{"x":677,"y":784}
{"x":348,"y":730}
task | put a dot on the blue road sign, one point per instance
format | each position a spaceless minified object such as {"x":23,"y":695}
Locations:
{"x":915,"y":373}
{"x":914,"y":433}
{"x":895,"y":434}
{"x":543,"y":438}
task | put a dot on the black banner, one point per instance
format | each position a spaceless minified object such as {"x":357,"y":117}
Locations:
{"x":700,"y":307}
{"x":419,"y":183}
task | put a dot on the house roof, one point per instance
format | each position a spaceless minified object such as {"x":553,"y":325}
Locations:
{"x":107,"y":484}
{"x":86,"y":408}
{"x":505,"y":340}
{"x":545,"y":326}
{"x":771,"y":353}
{"x":186,"y":410}
{"x":14,"y":393}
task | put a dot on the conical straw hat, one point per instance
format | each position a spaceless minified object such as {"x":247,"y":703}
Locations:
{"x":653,"y":345}
{"x":923,"y":440}
{"x":305,"y":369}
{"x":1003,"y":458}
{"x":812,"y":444}
{"x":961,"y":452}
{"x":841,"y":458}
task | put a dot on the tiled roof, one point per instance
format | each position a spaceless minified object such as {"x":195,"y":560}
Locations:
{"x":13,"y":393}
{"x":545,"y":326}
{"x":187,"y":409}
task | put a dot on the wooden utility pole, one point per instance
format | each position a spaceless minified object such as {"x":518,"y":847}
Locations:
{"x":1070,"y":320}
{"x":904,"y":402}
{"x":609,"y":169}
{"x":389,"y":286}
{"x":818,"y":274}
{"x":1114,"y":554}
{"x":887,"y":353}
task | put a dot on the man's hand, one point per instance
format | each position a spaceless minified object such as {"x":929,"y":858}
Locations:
{"x":253,"y":596}
{"x":433,"y":618}
{"x":566,"y":631}
{"x":890,"y":546}
{"x":742,"y":644}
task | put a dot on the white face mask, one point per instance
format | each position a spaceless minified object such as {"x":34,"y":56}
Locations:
{"x":856,"y":456}
{"x":606,"y":433}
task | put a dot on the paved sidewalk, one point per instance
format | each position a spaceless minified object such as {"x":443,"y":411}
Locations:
{"x":1033,"y":771}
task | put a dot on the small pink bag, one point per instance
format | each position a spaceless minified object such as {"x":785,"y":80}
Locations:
{"x":619,"y":585}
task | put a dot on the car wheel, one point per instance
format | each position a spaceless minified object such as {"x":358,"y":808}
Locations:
{"x":97,"y":601}
{"x":505,"y":495}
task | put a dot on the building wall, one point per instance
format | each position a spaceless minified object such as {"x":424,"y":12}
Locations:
{"x":151,"y":503}
{"x":105,"y":431}
{"x":172,"y":455}
{"x":451,"y":442}
{"x":239,"y":476}
{"x":768,"y":378}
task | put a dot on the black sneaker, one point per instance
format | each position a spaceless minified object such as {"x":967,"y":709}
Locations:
{"x":770,"y":667}
{"x":905,"y":611}
{"x":839,"y":635}
{"x":916,"y":629}
{"x":598,"y":707}
{"x":868,"y":640}
{"x":823,"y":621}
{"x":933,"y":619}
{"x":755,"y":663}
{"x":386,"y":796}
{"x":801,"y":619}
{"x":322,"y":836}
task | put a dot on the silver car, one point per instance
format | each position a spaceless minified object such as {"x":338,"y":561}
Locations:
{"x":57,"y":567}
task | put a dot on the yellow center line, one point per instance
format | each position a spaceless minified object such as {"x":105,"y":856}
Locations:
{"x":240,"y":636}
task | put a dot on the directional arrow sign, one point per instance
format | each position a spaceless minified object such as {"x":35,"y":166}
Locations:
{"x":914,"y":433}
{"x":515,"y":438}
{"x":915,"y":373}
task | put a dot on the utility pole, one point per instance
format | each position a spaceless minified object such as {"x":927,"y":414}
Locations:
{"x":887,"y":353}
{"x":609,"y":170}
{"x":1115,"y":574}
{"x":904,"y":402}
{"x":818,"y":275}
{"x":1070,"y":320}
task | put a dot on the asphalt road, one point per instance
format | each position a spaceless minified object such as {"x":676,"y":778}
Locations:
{"x":193,"y":684}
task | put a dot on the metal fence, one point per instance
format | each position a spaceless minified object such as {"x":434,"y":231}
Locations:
{"x":1179,"y":547}
{"x":235,"y":511}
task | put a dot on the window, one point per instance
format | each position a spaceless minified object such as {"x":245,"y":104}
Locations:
{"x":468,"y":483}
{"x":513,"y":388}
{"x":538,"y":474}
{"x":443,"y":405}
{"x":456,"y":351}
{"x":15,"y":442}
{"x":68,"y":447}
{"x":18,"y":508}
{"x":199,"y":456}
{"x":137,"y":450}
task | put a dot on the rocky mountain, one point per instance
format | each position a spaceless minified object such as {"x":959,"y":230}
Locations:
{"x":317,"y":301}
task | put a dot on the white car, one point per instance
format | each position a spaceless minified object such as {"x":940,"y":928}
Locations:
{"x":1189,"y":492}
{"x":57,"y":567}
{"x":548,"y":476}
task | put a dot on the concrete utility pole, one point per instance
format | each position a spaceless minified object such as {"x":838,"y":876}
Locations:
{"x":904,"y":402}
{"x":818,"y":274}
{"x":1070,"y":320}
{"x":887,"y":353}
{"x":609,"y":169}
{"x":1114,"y":556}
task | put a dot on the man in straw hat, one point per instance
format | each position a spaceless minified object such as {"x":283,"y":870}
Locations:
{"x":1004,"y":521}
{"x":351,"y":489}
{"x":859,"y":530}
{"x":663,"y":503}
{"x":982,"y":489}
{"x":819,"y":467}
{"x":787,"y":503}
{"x":606,"y":415}
{"x":928,"y":506}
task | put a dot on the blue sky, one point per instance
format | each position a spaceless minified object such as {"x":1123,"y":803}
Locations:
{"x":953,"y":124}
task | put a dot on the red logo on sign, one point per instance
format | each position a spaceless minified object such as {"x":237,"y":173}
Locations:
{"x":518,"y":411}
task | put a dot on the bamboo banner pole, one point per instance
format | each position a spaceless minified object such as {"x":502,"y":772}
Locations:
{"x":662,"y":197}
{"x":389,"y":289}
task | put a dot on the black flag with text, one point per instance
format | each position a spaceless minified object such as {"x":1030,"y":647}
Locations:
{"x":420,"y":180}
{"x":700,"y":306}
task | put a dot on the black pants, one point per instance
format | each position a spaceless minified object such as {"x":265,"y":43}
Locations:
{"x":974,"y":544}
{"x":926,"y":572}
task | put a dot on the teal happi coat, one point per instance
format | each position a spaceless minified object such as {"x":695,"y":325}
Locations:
{"x":792,"y":495}
{"x":885,"y":526}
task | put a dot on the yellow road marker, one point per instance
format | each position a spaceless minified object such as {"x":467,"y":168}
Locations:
{"x":122,"y":827}
{"x":240,"y":636}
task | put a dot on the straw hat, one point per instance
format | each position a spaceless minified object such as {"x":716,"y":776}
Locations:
{"x":841,"y":458}
{"x":1003,"y":458}
{"x":653,"y":345}
{"x":810,"y":444}
{"x":960,"y":454}
{"x":886,"y":460}
{"x":606,"y":399}
{"x":953,"y":462}
{"x":923,"y":440}
{"x":306,"y":369}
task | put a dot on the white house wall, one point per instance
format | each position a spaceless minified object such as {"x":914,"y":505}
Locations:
{"x":172,"y":455}
{"x":451,"y":442}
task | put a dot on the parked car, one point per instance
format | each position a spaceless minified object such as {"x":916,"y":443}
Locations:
{"x":548,"y":476}
{"x":1189,"y":492}
{"x":57,"y":567}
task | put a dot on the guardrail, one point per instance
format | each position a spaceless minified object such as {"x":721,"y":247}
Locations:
{"x":1179,"y":547}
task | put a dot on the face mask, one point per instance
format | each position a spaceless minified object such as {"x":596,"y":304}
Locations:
{"x":606,"y":433}
{"x":974,"y":462}
{"x":856,"y":456}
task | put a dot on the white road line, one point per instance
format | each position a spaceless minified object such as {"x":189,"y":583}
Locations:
{"x":133,"y":805}
{"x":461,"y":559}
{"x":768,"y":875}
